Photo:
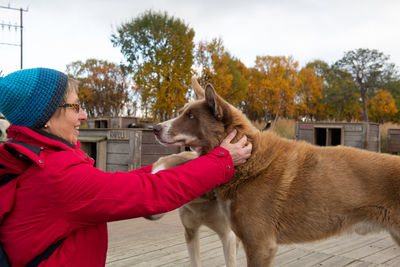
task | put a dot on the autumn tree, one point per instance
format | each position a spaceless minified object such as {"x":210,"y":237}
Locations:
{"x":382,"y":107}
{"x":255,"y":100}
{"x":158,"y":50}
{"x":227,"y":74}
{"x":274,"y":84}
{"x":369,"y":69}
{"x":340,"y":96}
{"x":103,"y":87}
{"x":309,"y":96}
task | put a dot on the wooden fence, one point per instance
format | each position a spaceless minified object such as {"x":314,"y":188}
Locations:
{"x":123,"y":149}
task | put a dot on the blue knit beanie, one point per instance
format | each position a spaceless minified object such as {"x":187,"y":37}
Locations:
{"x":30,"y":97}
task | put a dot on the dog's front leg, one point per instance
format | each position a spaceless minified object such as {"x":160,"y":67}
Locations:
{"x":230,"y":244}
{"x":193,"y":245}
{"x":222,"y":227}
{"x":191,"y":226}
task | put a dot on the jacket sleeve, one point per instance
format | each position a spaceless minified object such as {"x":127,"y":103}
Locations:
{"x":145,"y":169}
{"x":90,"y":196}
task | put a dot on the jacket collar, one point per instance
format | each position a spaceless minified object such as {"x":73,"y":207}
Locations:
{"x":56,"y":138}
{"x":28,"y":143}
{"x":39,"y":138}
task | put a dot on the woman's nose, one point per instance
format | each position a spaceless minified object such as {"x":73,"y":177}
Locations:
{"x":82,"y":115}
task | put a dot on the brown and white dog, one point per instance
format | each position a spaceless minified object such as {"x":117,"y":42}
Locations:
{"x":289,"y":191}
{"x":204,"y":210}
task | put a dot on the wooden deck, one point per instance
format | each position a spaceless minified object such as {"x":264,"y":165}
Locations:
{"x":140,"y":242}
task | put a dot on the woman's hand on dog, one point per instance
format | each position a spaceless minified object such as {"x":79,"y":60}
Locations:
{"x":239,"y":151}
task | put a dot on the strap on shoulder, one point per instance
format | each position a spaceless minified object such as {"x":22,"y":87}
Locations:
{"x":36,"y":261}
{"x":33,"y":148}
{"x":7,"y":178}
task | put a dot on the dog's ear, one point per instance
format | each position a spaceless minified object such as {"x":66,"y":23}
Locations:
{"x":212,"y":102}
{"x":198,"y":90}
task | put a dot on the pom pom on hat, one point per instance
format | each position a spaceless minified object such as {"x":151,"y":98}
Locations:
{"x":30,"y":97}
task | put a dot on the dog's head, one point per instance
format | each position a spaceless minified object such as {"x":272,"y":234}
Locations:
{"x":201,"y":124}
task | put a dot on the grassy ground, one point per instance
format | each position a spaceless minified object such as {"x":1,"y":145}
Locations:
{"x":282,"y":127}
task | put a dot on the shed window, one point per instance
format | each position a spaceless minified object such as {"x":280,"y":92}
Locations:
{"x":101,"y":124}
{"x":328,"y":136}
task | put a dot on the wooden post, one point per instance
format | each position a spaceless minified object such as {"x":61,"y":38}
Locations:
{"x":367,"y":134}
{"x":101,"y":160}
{"x":135,"y":152}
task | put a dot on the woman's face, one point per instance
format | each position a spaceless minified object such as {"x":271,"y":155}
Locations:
{"x":66,"y":121}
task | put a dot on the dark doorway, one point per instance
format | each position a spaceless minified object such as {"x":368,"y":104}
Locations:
{"x":320,"y":136}
{"x":328,"y":136}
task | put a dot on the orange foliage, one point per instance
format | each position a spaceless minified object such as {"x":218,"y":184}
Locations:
{"x":382,"y":107}
{"x":273,"y":86}
{"x":309,"y":94}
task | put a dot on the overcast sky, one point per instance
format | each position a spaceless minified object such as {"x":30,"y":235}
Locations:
{"x":59,"y":32}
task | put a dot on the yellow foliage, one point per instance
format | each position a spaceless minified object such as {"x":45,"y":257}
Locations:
{"x":310,"y":94}
{"x":382,"y":107}
{"x":273,"y":86}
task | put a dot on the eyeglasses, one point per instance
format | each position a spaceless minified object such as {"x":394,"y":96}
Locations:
{"x":76,"y":107}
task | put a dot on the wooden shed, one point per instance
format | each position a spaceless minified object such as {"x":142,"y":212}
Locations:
{"x":393,"y":141}
{"x":112,"y":122}
{"x":359,"y":135}
{"x":122,"y":149}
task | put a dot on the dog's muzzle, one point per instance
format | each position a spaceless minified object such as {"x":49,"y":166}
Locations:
{"x":157,"y":129}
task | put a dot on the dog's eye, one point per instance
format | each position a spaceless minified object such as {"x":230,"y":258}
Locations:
{"x":190,"y":116}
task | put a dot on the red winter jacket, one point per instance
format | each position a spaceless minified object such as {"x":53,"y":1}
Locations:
{"x":59,"y":194}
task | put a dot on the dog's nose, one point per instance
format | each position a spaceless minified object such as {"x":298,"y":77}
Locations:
{"x":157,"y":128}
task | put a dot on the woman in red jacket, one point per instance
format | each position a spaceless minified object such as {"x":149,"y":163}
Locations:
{"x":54,"y":205}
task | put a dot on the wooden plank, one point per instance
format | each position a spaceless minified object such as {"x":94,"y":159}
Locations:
{"x":135,"y":150}
{"x":392,"y":148}
{"x":351,"y":245}
{"x":354,"y":135}
{"x":305,"y":126}
{"x":393,"y":132}
{"x":366,"y":249}
{"x":353,"y":128}
{"x":119,"y":159}
{"x":118,"y":134}
{"x":309,"y":260}
{"x":149,"y":159}
{"x":335,"y":261}
{"x":393,"y":262}
{"x":360,"y":145}
{"x":394,"y":141}
{"x":350,"y":137}
{"x":358,"y":263}
{"x":118,"y":147}
{"x":290,"y":257}
{"x":385,"y":255}
{"x":101,"y":160}
{"x":154,"y":149}
{"x":148,"y":138}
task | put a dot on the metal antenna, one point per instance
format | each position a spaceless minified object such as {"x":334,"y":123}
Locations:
{"x":20,"y":26}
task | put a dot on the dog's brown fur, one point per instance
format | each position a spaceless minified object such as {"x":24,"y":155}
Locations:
{"x":290,"y":191}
